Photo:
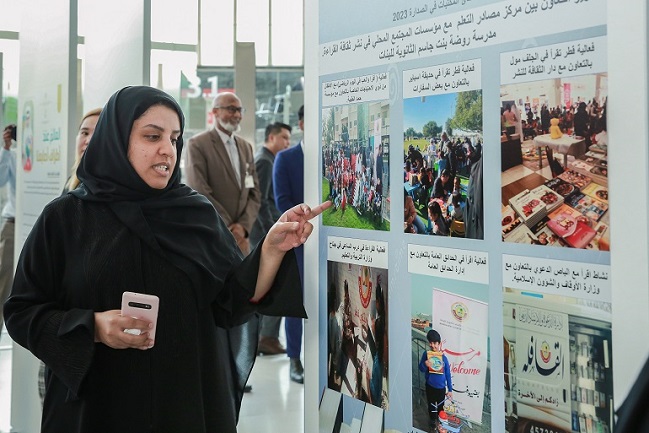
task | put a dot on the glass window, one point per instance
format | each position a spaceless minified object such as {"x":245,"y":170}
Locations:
{"x":252,"y":26}
{"x":174,"y":22}
{"x":168,"y":77}
{"x":217,"y":33}
{"x":287,"y":35}
{"x":11,"y":15}
{"x":10,"y":66}
{"x":279,"y":95}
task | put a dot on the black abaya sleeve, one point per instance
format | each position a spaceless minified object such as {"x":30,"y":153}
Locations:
{"x":284,"y":298}
{"x":35,"y":315}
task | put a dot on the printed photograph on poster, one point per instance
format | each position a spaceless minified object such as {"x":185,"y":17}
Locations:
{"x":27,"y":152}
{"x":558,"y":367}
{"x":554,"y":162}
{"x":442,"y":170}
{"x":450,"y":362}
{"x":355,"y":165}
{"x":357,"y":332}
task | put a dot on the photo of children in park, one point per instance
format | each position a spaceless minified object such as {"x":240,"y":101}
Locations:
{"x":355,"y":165}
{"x":554,"y":162}
{"x":450,"y":366}
{"x":442,"y":168}
{"x":357,"y":332}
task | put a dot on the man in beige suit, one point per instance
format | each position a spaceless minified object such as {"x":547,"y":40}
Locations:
{"x":221,"y":166}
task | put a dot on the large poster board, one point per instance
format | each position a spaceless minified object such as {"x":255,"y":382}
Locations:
{"x":493,"y":122}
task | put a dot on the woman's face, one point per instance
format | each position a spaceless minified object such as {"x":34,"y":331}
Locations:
{"x":84,"y":135}
{"x":152,"y":145}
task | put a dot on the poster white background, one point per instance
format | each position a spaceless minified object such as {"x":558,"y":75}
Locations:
{"x":358,"y":252}
{"x":559,"y":277}
{"x":446,"y":78}
{"x":449,"y":263}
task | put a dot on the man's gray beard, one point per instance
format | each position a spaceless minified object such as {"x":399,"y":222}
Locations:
{"x":229,"y":127}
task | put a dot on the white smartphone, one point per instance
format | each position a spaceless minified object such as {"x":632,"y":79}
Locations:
{"x":141,"y":306}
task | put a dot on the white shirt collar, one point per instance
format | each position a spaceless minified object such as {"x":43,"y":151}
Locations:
{"x":223,"y":135}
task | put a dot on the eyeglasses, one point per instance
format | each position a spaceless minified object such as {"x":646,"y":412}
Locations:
{"x":232,"y":109}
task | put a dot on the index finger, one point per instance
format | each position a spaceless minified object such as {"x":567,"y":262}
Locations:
{"x":315,"y":211}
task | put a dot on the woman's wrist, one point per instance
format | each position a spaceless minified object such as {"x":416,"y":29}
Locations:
{"x":271,"y":251}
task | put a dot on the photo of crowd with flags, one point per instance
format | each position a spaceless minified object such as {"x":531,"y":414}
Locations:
{"x":355,"y":165}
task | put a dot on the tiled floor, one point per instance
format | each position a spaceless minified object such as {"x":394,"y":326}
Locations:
{"x":275,"y":404}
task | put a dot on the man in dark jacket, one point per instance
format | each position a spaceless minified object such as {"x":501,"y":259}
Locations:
{"x":277,"y":137}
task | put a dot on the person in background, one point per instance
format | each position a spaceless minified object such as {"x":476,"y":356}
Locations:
{"x":581,"y":123}
{"x":473,"y":212}
{"x":407,"y":170}
{"x":7,"y":177}
{"x":221,"y":166}
{"x":435,"y":366}
{"x":457,"y":186}
{"x":430,"y":152}
{"x":510,"y":119}
{"x":277,"y":138}
{"x":377,"y":341}
{"x":132,"y":226}
{"x":334,"y":340}
{"x":416,"y":158}
{"x":86,"y":129}
{"x":288,"y":187}
{"x":457,"y":214}
{"x":411,"y":222}
{"x":436,"y":220}
{"x":425,"y":184}
{"x":545,"y":119}
{"x":443,"y":153}
{"x":442,"y":185}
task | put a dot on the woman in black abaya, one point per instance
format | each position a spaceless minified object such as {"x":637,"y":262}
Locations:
{"x":131,"y":226}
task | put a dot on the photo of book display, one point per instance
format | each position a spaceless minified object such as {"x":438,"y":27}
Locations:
{"x":521,"y":235}
{"x":599,"y":171}
{"x":571,"y":226}
{"x":559,"y":213}
{"x":577,"y":179}
{"x":529,"y":207}
{"x":551,"y":198}
{"x":587,"y":205}
{"x":601,"y":240}
{"x":561,"y":187}
{"x":596,"y":155}
{"x":594,"y":161}
{"x":582,"y":165}
{"x":546,"y":236}
{"x":509,"y":221}
{"x":597,"y":191}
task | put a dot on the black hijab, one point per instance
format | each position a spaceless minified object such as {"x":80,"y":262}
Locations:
{"x":175,"y":221}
